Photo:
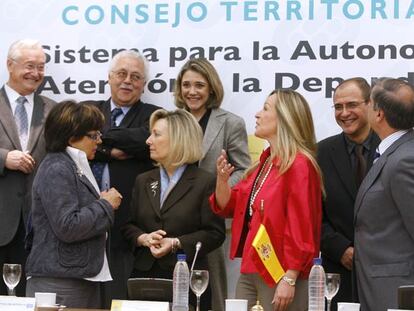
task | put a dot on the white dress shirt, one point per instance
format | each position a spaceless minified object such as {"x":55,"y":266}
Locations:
{"x":389,"y":140}
{"x":12,"y":95}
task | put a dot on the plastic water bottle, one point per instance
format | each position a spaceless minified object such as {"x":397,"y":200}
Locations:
{"x":181,"y":284}
{"x":317,"y":286}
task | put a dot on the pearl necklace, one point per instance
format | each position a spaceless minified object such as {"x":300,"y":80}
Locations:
{"x":255,"y":189}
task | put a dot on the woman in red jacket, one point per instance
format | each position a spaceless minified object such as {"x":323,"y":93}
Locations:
{"x":281,"y":193}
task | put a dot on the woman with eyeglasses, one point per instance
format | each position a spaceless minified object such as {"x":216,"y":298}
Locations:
{"x":70,"y":216}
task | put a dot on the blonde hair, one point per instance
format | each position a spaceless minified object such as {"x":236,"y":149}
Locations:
{"x":203,"y":67}
{"x":185,"y":136}
{"x":295,"y":132}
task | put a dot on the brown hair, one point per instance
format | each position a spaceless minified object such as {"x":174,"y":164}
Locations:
{"x":203,"y":67}
{"x":69,"y":119}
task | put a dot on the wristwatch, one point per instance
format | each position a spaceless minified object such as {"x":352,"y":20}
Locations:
{"x":290,"y":281}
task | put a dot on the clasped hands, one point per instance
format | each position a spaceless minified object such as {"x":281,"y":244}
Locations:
{"x":156,"y":241}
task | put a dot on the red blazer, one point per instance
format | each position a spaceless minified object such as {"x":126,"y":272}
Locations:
{"x":292,"y":215}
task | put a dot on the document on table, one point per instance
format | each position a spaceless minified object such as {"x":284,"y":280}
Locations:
{"x":139,"y":305}
{"x":12,"y":303}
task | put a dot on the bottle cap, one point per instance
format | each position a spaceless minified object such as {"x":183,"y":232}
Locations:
{"x":317,"y":261}
{"x":257,"y":307}
{"x":181,"y":257}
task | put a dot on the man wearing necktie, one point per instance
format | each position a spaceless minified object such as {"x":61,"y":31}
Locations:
{"x":123,"y":154}
{"x":384,"y":213}
{"x":22,"y":147}
{"x":344,"y":160}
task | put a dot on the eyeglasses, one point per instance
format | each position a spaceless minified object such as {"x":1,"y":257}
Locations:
{"x":350,"y":106}
{"x":31,"y":66}
{"x":122,"y":75}
{"x":95,"y":136}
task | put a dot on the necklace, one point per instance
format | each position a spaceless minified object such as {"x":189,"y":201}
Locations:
{"x":256,"y":189}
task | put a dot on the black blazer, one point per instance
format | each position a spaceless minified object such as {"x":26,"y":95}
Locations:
{"x":130,"y":137}
{"x":338,"y":206}
{"x":185,"y":214}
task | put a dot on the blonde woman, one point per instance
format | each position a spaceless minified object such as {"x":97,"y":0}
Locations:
{"x":169,"y":207}
{"x":283,"y":192}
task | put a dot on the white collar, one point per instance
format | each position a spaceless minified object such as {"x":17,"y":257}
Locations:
{"x":12,"y":95}
{"x":81,"y":161}
{"x":389,"y":140}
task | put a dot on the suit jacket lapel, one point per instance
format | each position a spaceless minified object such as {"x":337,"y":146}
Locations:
{"x":88,"y":184}
{"x":374,"y":144}
{"x":133,"y":112}
{"x":341,"y":161}
{"x":180,"y":189}
{"x":106,"y":110}
{"x":38,"y":119}
{"x":368,"y":181}
{"x":7,"y":120}
{"x":214,"y":126}
{"x":81,"y":176}
{"x":153,"y":190}
{"x":376,"y":170}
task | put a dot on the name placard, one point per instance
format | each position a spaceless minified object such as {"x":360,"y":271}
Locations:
{"x":139,"y":305}
{"x":12,"y":303}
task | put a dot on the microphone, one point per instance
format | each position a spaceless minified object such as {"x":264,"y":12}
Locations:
{"x":198,"y":246}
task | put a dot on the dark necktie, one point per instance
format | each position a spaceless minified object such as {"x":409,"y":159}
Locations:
{"x":114,"y":114}
{"x":376,"y":155}
{"x":98,"y":167}
{"x":361,"y":164}
{"x":20,"y":116}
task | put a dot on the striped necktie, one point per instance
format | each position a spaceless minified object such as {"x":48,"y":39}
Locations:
{"x":114,"y":115}
{"x":98,"y":167}
{"x":20,"y":116}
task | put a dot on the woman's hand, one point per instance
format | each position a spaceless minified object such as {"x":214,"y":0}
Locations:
{"x":283,"y":296}
{"x":163,"y":248}
{"x":224,"y":168}
{"x":152,"y":239}
{"x":113,"y":197}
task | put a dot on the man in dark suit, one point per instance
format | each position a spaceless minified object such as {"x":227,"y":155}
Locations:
{"x":22,"y":147}
{"x":123,"y":154}
{"x":384,"y":213}
{"x":338,"y":159}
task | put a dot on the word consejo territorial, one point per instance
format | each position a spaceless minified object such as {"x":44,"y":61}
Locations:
{"x":172,"y":13}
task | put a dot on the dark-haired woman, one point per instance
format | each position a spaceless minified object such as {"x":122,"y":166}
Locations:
{"x":69,"y":214}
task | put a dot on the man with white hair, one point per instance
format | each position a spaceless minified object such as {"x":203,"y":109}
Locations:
{"x":123,"y":154}
{"x":22,"y":147}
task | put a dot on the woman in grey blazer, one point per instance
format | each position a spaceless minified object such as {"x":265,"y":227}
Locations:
{"x":70,"y":217}
{"x":199,"y":90}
